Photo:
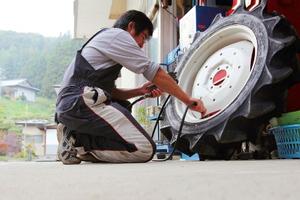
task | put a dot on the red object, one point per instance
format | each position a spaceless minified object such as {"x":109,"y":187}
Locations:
{"x":290,"y":9}
{"x":219,"y":77}
{"x":202,"y":2}
{"x":237,"y":3}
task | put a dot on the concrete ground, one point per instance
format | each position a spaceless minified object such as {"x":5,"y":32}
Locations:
{"x":183,"y":180}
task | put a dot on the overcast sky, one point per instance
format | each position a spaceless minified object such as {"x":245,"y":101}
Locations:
{"x":46,"y":17}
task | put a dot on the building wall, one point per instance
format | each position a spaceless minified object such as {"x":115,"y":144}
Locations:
{"x":91,"y":16}
{"x":130,"y":79}
{"x":29,"y":94}
{"x":16,"y":92}
{"x":137,"y":5}
{"x":51,"y":142}
{"x":34,"y":137}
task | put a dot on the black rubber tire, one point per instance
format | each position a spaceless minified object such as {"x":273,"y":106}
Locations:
{"x":263,"y":97}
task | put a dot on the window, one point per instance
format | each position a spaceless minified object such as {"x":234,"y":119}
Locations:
{"x":34,"y":139}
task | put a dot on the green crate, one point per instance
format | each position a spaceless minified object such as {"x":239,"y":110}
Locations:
{"x":289,"y":118}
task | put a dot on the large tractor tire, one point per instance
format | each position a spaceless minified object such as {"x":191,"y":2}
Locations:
{"x":241,"y":67}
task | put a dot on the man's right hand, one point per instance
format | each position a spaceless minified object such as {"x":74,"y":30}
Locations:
{"x":197,"y":105}
{"x":166,"y":83}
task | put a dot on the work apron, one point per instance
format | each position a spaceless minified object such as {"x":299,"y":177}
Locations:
{"x":100,"y":126}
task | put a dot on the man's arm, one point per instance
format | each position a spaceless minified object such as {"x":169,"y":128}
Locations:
{"x":166,"y":83}
{"x":124,"y":94}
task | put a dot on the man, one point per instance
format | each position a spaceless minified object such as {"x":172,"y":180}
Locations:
{"x":89,"y":106}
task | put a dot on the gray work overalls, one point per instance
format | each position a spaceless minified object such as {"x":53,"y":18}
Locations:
{"x":99,"y":125}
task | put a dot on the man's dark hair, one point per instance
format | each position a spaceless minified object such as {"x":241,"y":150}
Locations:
{"x":142,"y":22}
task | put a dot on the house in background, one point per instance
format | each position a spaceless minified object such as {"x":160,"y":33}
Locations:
{"x":41,"y":137}
{"x":19,"y":88}
{"x":34,"y":135}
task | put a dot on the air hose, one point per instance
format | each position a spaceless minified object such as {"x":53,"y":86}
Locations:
{"x":138,"y":100}
{"x":157,"y":121}
{"x":178,"y":136}
{"x":173,"y":75}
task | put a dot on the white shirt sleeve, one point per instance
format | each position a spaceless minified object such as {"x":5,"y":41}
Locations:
{"x":123,"y":49}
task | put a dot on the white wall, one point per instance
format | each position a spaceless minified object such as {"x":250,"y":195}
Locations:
{"x":90,"y":16}
{"x":137,"y":5}
{"x":35,"y":137}
{"x":129,"y":79}
{"x":51,"y":142}
{"x":29,"y":94}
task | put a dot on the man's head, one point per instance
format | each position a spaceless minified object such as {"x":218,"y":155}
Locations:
{"x":137,"y":24}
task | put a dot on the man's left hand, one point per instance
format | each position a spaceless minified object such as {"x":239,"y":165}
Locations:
{"x":150,"y":88}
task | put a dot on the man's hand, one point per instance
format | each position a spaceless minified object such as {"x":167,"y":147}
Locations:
{"x":197,"y":105}
{"x":150,"y":88}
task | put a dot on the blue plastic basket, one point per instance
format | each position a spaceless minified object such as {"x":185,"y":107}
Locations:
{"x":287,"y":140}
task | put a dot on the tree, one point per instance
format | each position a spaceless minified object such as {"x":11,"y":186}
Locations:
{"x":42,"y":61}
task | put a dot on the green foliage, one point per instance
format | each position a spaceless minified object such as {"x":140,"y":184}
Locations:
{"x":26,"y":154}
{"x":141,"y":115}
{"x":6,"y":124}
{"x":15,"y":129}
{"x":42,"y":61}
{"x":3,"y":158}
{"x":13,"y":110}
{"x":16,"y":109}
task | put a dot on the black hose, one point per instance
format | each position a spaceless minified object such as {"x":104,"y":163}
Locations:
{"x":178,"y":137}
{"x":135,"y":101}
{"x":158,"y":117}
{"x":173,"y":75}
{"x":157,"y":121}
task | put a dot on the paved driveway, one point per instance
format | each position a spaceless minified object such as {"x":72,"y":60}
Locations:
{"x":183,"y":180}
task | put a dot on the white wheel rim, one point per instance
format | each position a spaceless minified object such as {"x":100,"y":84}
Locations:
{"x":218,"y":70}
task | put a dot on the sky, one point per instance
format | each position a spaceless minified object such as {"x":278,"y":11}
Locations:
{"x":47,"y":17}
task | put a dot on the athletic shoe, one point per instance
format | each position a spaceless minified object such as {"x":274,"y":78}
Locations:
{"x":66,"y":150}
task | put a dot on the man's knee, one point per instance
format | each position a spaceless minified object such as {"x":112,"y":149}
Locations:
{"x":146,"y":154}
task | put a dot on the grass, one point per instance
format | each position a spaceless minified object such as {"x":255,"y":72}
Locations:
{"x":14,"y":110}
{"x":3,"y":158}
{"x":17,"y":109}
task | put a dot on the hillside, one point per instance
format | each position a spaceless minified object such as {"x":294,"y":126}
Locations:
{"x":14,"y":110}
{"x":41,"y":60}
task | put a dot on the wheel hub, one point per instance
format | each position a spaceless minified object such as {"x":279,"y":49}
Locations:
{"x":219,"y":77}
{"x":222,"y":69}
